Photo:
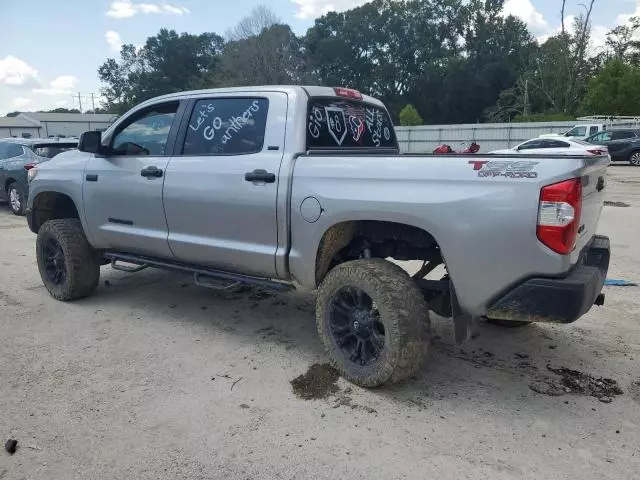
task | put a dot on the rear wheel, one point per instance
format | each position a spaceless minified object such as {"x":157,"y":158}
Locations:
{"x":16,"y":199}
{"x":69,"y":267}
{"x":634,"y":158}
{"x":373,"y":321}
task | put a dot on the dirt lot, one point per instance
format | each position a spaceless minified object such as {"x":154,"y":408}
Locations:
{"x":154,"y":378}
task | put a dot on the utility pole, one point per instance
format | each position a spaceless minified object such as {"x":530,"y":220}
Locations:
{"x":80,"y":101}
{"x":93,"y":102}
{"x":525,"y":112}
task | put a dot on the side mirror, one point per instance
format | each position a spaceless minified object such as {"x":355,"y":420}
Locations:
{"x":90,"y":142}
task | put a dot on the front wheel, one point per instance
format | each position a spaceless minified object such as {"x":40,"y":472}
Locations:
{"x":68,"y":266}
{"x":373,"y":321}
{"x":16,"y":199}
{"x":634,"y":159}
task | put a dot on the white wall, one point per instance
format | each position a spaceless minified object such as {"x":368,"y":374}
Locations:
{"x":70,"y":129}
{"x":490,"y":136}
{"x":7,"y":132}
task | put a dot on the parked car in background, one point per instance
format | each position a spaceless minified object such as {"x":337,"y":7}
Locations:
{"x":17,"y":157}
{"x":623,"y":144}
{"x":555,"y":146}
{"x":579,"y":132}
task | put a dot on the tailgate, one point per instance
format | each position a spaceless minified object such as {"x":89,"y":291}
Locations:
{"x":594,"y":180}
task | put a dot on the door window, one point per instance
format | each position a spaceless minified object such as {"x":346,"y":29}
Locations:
{"x":554,"y":144}
{"x":530,"y":145}
{"x":227,"y":126}
{"x":146,"y":133}
{"x":619,"y":135}
{"x":601,"y":137}
{"x":593,"y":130}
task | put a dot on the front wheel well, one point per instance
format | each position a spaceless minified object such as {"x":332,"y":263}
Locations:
{"x":51,"y":206}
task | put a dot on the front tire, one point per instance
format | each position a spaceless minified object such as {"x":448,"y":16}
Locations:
{"x":634,"y":158}
{"x":373,"y":321}
{"x":16,"y":200}
{"x":68,"y":266}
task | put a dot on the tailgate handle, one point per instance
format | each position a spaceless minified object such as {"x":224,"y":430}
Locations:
{"x":600,"y":184}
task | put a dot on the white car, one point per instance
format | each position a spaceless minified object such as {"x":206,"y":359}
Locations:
{"x":555,"y":146}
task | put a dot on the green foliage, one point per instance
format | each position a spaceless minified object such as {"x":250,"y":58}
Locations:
{"x":452,"y":61}
{"x":410,"y":117}
{"x":614,"y":91}
{"x":167,"y":63}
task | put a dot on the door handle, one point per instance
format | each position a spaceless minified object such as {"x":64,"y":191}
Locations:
{"x":260,"y":176}
{"x":151,"y":172}
{"x":91,"y":177}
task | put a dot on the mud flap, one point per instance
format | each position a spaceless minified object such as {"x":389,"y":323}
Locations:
{"x":462,"y":321}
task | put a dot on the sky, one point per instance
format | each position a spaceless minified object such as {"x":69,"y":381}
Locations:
{"x":50,"y":51}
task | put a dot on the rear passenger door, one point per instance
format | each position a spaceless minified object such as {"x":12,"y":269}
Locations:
{"x":221,"y":187}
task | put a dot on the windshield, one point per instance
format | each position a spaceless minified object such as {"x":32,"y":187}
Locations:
{"x":51,"y":150}
{"x":340,"y":123}
{"x":577,"y":132}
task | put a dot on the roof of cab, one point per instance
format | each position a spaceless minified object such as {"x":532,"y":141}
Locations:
{"x":310,"y":90}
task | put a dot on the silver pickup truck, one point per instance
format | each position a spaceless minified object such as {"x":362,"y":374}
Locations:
{"x":304,"y":187}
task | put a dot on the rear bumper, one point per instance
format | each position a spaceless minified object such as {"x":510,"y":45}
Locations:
{"x":558,"y":300}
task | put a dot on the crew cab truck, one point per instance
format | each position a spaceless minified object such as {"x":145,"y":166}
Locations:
{"x":305,"y":187}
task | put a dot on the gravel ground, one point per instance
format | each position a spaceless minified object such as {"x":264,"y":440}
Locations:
{"x":154,"y":378}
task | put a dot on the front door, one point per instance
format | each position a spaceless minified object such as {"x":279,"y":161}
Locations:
{"x":123,"y":190}
{"x":220,"y":192}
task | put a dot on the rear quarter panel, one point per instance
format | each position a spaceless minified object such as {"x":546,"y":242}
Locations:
{"x":485,"y":226}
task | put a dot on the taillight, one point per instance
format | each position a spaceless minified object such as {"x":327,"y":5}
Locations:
{"x":348,"y":92}
{"x":597,"y":151}
{"x":559,"y":215}
{"x":29,"y":166}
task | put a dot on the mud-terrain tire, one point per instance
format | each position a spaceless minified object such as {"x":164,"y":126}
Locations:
{"x":507,"y":323}
{"x":399,"y":314}
{"x":69,"y":267}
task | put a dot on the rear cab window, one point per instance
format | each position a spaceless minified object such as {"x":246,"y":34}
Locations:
{"x":337,"y":123}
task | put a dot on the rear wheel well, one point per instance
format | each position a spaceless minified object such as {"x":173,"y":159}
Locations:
{"x":354,"y":240}
{"x":8,"y":182}
{"x":51,"y":206}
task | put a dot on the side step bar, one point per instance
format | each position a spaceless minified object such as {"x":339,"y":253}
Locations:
{"x":200,"y":274}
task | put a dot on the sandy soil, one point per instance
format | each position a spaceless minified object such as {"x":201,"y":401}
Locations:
{"x":154,"y":378}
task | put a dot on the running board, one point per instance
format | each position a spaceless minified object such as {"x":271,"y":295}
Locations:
{"x":200,"y":274}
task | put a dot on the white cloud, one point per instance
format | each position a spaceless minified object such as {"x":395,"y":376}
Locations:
{"x":315,"y":8}
{"x":114,"y":40}
{"x":127,"y":9}
{"x":62,"y":85}
{"x":17,"y":73}
{"x":21,"y":103}
{"x":525,"y":11}
{"x":64,"y":82}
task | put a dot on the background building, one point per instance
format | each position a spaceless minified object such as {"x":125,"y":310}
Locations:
{"x":32,"y":125}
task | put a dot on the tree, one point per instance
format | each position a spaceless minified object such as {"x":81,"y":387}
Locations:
{"x":614,"y":91}
{"x":623,"y":42}
{"x":410,"y":117}
{"x":168,"y":62}
{"x":61,"y":110}
{"x":262,"y":52}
